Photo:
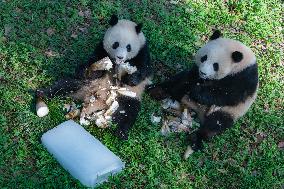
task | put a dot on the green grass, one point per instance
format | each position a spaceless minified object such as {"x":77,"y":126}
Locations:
{"x":42,"y":40}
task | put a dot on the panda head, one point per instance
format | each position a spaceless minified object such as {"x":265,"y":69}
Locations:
{"x":221,"y":57}
{"x":123,"y":40}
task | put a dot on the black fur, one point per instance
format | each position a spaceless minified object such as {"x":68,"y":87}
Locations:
{"x":176,"y":87}
{"x":141,"y":61}
{"x":113,"y":20}
{"x":230,"y":90}
{"x":203,"y":58}
{"x":67,"y":85}
{"x":214,"y":124}
{"x":60,"y":88}
{"x":144,"y":68}
{"x":138,"y":28}
{"x":216,"y":34}
{"x":237,"y":56}
{"x":126,"y":120}
{"x":216,"y":66}
{"x":130,"y":105}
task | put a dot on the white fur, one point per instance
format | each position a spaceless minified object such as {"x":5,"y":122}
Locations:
{"x":123,"y":32}
{"x":220,"y":51}
{"x":207,"y":68}
{"x":42,"y":111}
{"x":41,"y":108}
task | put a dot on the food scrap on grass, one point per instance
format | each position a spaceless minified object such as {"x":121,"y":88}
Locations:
{"x":175,"y":118}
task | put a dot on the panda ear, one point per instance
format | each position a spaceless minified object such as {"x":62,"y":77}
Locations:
{"x":138,"y":28}
{"x":113,"y":20}
{"x":216,"y":34}
{"x":237,"y":56}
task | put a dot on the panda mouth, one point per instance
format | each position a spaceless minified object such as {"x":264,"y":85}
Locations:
{"x":202,"y":74}
{"x":117,"y":61}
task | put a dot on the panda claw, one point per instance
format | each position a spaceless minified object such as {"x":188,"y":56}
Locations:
{"x":195,"y":142}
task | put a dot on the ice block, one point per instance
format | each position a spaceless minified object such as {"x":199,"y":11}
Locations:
{"x":81,"y":154}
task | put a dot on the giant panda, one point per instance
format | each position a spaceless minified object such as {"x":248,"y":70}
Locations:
{"x":220,"y":87}
{"x":122,"y":42}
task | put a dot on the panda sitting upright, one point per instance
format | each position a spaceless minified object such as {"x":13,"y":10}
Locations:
{"x":123,"y":42}
{"x":220,"y":87}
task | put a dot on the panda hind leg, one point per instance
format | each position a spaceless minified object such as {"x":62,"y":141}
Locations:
{"x":59,"y":88}
{"x":125,"y":116}
{"x":214,"y":124}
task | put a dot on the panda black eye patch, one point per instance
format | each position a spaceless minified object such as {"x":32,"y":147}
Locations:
{"x":203,"y":58}
{"x":216,"y":66}
{"x":128,"y":47}
{"x":115,"y":45}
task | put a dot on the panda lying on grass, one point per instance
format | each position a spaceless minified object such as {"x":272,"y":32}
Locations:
{"x":220,"y":87}
{"x":112,"y":88}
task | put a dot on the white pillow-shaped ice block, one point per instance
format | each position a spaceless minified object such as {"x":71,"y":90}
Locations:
{"x":81,"y":154}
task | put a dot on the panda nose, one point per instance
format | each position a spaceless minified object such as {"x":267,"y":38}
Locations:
{"x":120,"y":57}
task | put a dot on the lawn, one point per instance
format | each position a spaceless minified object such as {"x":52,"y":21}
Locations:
{"x":40,"y":41}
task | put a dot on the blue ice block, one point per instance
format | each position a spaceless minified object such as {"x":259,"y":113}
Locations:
{"x":81,"y":154}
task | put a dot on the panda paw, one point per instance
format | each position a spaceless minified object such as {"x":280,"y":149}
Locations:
{"x":156,"y":92}
{"x":131,"y":80}
{"x":39,"y":93}
{"x":195,"y":142}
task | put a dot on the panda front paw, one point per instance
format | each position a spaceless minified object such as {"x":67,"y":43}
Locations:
{"x":156,"y":92}
{"x":39,"y":93}
{"x":195,"y":142}
{"x":132,"y":80}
